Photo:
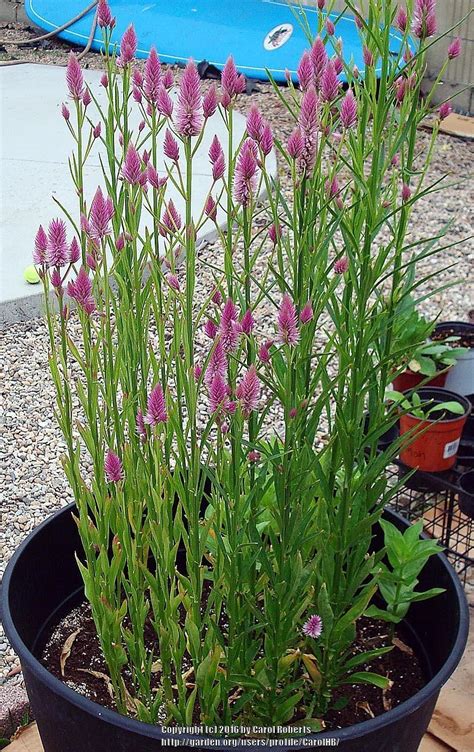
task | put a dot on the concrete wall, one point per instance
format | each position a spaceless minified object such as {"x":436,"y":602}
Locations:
{"x":12,"y":10}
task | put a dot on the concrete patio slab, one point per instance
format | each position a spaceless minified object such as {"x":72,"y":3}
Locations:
{"x":35,"y":144}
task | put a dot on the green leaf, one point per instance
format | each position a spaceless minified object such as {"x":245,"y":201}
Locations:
{"x":367,"y":677}
{"x":357,"y":660}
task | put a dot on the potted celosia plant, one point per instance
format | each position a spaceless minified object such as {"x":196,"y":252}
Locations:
{"x":217,"y":575}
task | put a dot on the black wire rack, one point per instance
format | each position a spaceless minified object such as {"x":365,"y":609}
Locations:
{"x":433,"y":498}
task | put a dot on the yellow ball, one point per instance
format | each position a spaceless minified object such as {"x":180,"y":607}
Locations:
{"x":31,"y":275}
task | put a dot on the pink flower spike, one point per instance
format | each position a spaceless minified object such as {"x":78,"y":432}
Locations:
{"x":104,"y":16}
{"x":454,"y":49}
{"x":406,"y":193}
{"x":253,"y":455}
{"x":274,"y":233}
{"x":171,"y":219}
{"x":74,"y":77}
{"x":321,"y":4}
{"x":230,"y":329}
{"x":41,"y":244}
{"x":218,"y":394}
{"x":319,"y":57}
{"x":104,"y":80}
{"x":97,"y":130}
{"x":113,"y":467}
{"x":168,"y":78}
{"x":306,"y":314}
{"x":57,"y":251}
{"x":65,"y":112}
{"x":218,"y":168}
{"x":189,"y":118}
{"x":215,"y":150}
{"x":245,"y":181}
{"x":329,"y":83}
{"x":56,"y":280}
{"x":341,"y":265}
{"x":216,"y":296}
{"x":152,"y":77}
{"x":255,"y":123}
{"x":81,"y":291}
{"x":287,"y":322}
{"x":305,"y":71}
{"x":210,"y":329}
{"x":210,"y":208}
{"x":140,"y":425}
{"x":132,"y":167}
{"x":349,"y":110}
{"x":358,"y":19}
{"x":247,"y":322}
{"x":368,"y":57}
{"x":338,"y":65}
{"x":170,"y":146}
{"x":264,"y":354}
{"x":295,"y":144}
{"x":156,"y":407}
{"x":313,"y":627}
{"x":217,"y":363}
{"x":164,"y":103}
{"x":402,"y":19}
{"x":424,"y":18}
{"x":173,"y":282}
{"x":128,"y":47}
{"x":153,"y":177}
{"x":86,"y":98}
{"x":210,"y":102}
{"x":91,"y":263}
{"x":330,"y":28}
{"x":197,"y":372}
{"x":445,"y":110}
{"x":230,"y":80}
{"x":74,"y":251}
{"x":266,"y":141}
{"x":248,"y":392}
{"x":120,"y":242}
{"x":102,"y":211}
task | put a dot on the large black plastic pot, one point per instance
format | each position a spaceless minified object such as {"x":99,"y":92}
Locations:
{"x":42,"y":581}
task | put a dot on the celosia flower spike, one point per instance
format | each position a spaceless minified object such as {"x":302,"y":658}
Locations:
{"x":217,"y":363}
{"x":128,"y":47}
{"x":140,"y":425}
{"x":247,"y":322}
{"x":454,"y":49}
{"x":81,"y":291}
{"x":341,"y":265}
{"x":209,"y":102}
{"x":102,"y":211}
{"x":170,"y":146}
{"x":307,"y":313}
{"x":349,"y":110}
{"x":319,"y":59}
{"x":424,"y":18}
{"x":156,"y":407}
{"x":255,"y":123}
{"x":41,"y":244}
{"x":189,"y":117}
{"x":104,"y":15}
{"x":152,"y":78}
{"x":164,"y":103}
{"x":445,"y":110}
{"x":313,"y":627}
{"x":57,"y":250}
{"x":232,"y":83}
{"x":74,"y":77}
{"x":132,"y":167}
{"x":113,"y":467}
{"x":305,"y":72}
{"x":248,"y":391}
{"x":402,"y":19}
{"x":218,"y":394}
{"x":245,"y":181}
{"x":287,"y":322}
{"x":329,"y":83}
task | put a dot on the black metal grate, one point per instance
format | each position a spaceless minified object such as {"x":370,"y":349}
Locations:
{"x":436,"y":503}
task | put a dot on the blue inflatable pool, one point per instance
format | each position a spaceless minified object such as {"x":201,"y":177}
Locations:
{"x":260,"y":34}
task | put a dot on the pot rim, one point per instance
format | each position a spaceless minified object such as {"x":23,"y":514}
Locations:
{"x":463,"y":401}
{"x":156,"y":731}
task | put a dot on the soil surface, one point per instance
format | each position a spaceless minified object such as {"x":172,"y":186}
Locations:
{"x":85,"y":669}
{"x":466,"y":339}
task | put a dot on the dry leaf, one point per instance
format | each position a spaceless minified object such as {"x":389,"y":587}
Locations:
{"x":155,"y":667}
{"x":401,"y":646}
{"x":104,"y":677}
{"x":387,"y":702}
{"x":366,"y":708}
{"x":66,"y":650}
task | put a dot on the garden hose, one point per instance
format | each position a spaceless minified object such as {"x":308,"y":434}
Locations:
{"x":54,"y":32}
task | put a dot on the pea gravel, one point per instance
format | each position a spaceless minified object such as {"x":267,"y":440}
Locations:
{"x":32,"y":483}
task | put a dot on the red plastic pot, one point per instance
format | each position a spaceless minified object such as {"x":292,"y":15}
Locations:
{"x":435,"y":445}
{"x":410,"y":380}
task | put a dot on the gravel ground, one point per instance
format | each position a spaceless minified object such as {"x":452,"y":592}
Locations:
{"x":32,"y":483}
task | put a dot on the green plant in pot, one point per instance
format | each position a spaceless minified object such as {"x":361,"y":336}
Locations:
{"x":227,"y":555}
{"x":425,"y":361}
{"x":434,"y":418}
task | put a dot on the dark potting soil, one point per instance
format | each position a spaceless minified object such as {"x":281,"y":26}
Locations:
{"x":466,"y":339}
{"x":72,"y":653}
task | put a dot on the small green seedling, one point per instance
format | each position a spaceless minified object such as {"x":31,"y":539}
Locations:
{"x":424,"y":409}
{"x":407,"y":554}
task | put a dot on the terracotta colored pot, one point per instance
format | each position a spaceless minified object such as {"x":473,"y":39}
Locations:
{"x":410,"y":380}
{"x":435,"y":445}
